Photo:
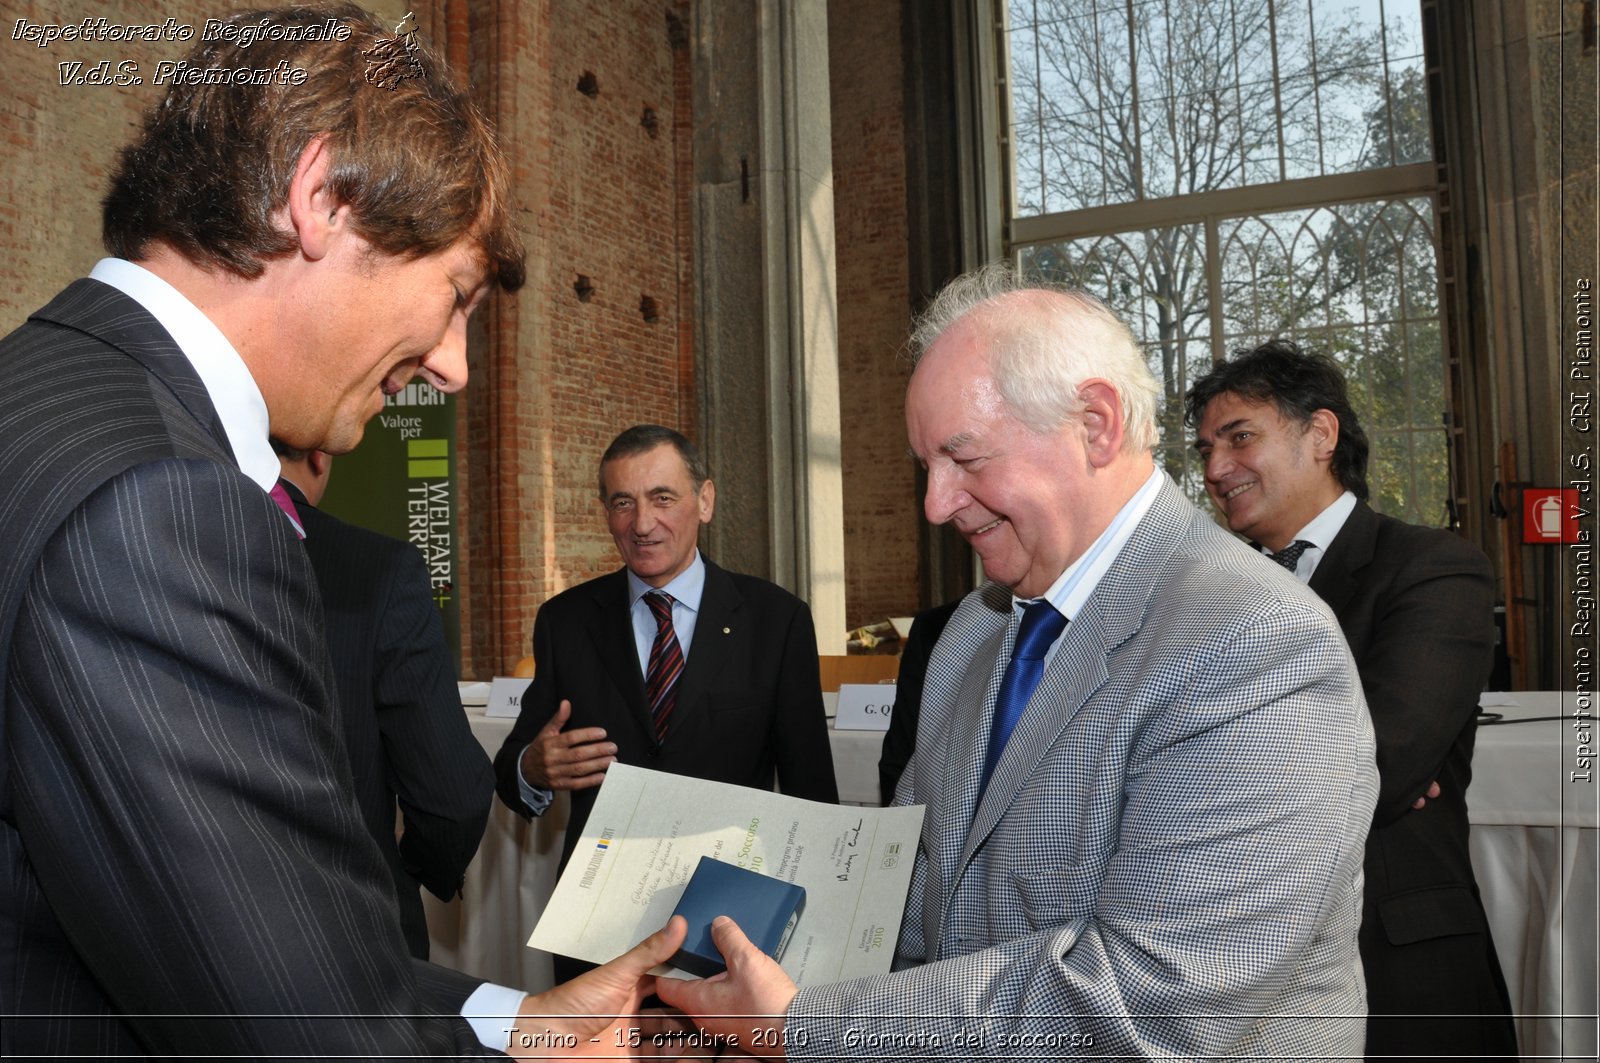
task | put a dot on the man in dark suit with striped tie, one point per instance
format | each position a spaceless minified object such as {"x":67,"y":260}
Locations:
{"x":405,"y":732}
{"x":671,"y":662}
{"x":183,"y":867}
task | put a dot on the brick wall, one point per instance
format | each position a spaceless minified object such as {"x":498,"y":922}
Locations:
{"x":869,"y":200}
{"x":600,"y":196}
{"x":553,"y":378}
{"x":606,"y":200}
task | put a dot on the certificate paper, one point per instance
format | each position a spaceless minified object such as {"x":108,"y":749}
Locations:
{"x":649,"y":829}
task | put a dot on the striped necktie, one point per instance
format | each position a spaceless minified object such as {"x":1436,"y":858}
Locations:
{"x":666,"y":663}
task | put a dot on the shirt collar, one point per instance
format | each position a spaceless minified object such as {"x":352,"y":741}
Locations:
{"x":1073,"y":587}
{"x":233,"y":391}
{"x":1325,"y":526}
{"x":686,"y":588}
{"x":1320,"y":533}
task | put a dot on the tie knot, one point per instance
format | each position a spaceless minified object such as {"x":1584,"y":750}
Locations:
{"x":1289,"y":556}
{"x":660,"y":604}
{"x":1041,"y":625}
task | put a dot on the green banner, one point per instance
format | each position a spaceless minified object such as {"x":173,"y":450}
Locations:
{"x":401,"y":481}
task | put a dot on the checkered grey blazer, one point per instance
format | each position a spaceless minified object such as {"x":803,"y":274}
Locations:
{"x":1168,"y":858}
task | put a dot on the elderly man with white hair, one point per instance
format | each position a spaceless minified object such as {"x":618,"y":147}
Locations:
{"x":1144,"y":750}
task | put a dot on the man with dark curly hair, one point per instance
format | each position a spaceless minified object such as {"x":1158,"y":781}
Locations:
{"x":1286,"y":465}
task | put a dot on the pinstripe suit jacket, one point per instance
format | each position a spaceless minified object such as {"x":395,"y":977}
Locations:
{"x":178,"y":835}
{"x":1168,"y":858}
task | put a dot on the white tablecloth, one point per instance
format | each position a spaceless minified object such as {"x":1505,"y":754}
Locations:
{"x":855,"y":764}
{"x":1525,"y":773}
{"x":1534,"y":848}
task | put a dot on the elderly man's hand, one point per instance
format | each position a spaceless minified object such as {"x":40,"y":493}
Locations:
{"x":597,"y":1013}
{"x":567,"y":760}
{"x":752,"y":995}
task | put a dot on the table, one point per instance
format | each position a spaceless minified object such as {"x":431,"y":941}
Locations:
{"x":1535,"y":853}
{"x":1534,"y":848}
{"x":855,"y":758}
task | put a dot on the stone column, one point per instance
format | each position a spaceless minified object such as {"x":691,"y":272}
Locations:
{"x":767,"y":366}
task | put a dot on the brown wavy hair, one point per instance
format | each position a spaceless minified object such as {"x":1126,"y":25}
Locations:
{"x":413,"y":158}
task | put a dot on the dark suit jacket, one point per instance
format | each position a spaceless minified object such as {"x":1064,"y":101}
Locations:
{"x":900,"y":741}
{"x":749,"y":702}
{"x":403,"y":726}
{"x":1417,"y":607}
{"x":178,"y":833}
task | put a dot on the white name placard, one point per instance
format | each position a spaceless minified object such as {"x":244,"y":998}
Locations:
{"x":505,"y":696}
{"x":864,"y":706}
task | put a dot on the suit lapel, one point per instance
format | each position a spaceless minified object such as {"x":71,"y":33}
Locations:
{"x":1112,"y":614}
{"x":719,"y":621}
{"x":48,"y":483}
{"x":610,"y":628}
{"x":99,"y":310}
{"x":1351,"y":551}
{"x":1076,"y":671}
{"x":963,"y":673}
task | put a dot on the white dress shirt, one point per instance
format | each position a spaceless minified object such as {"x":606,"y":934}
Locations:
{"x":1074,"y":586}
{"x":1320,"y":533}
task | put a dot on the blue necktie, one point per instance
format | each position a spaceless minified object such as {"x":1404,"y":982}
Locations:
{"x":1041,"y":626}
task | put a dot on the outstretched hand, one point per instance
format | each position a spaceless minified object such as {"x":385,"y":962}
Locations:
{"x":744,"y":1004}
{"x":567,"y":760}
{"x":596,"y":1014}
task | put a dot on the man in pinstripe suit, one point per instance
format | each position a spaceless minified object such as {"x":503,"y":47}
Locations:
{"x":183,"y":868}
{"x":1166,"y":859}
